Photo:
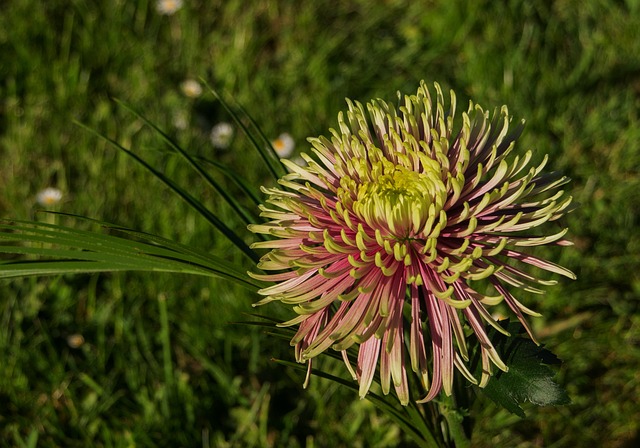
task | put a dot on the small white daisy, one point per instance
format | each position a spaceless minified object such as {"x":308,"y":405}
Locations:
{"x":284,"y":145}
{"x":180,"y":120}
{"x":49,"y":196}
{"x":191,"y":88}
{"x":168,"y":7}
{"x":221,"y":135}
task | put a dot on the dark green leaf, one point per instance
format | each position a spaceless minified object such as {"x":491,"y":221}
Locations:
{"x":529,"y":378}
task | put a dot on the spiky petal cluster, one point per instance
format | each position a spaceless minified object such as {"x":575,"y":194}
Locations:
{"x":379,"y":238}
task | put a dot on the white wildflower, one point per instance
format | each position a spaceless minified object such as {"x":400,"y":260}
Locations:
{"x":284,"y":145}
{"x":168,"y":7}
{"x":49,"y":196}
{"x":191,"y":88}
{"x":221,"y":135}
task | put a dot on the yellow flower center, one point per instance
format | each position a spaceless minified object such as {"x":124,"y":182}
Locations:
{"x":402,"y":202}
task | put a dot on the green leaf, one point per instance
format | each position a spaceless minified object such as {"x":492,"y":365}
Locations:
{"x":234,"y":177}
{"x":529,"y":378}
{"x":184,"y":195}
{"x":210,"y":181}
{"x":65,"y":250}
{"x":269,"y":156}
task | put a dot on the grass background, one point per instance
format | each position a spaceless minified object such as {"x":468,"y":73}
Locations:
{"x":160,"y":364}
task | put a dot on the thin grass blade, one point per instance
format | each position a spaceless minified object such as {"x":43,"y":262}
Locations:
{"x":65,"y":250}
{"x":268,"y":156}
{"x":187,"y":197}
{"x":421,"y":439}
{"x":233,"y":203}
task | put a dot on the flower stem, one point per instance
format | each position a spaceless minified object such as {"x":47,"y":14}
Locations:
{"x":454,"y":433}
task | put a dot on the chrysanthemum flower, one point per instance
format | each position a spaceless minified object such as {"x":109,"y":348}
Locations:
{"x":383,"y":239}
{"x":49,"y":196}
{"x":168,"y":7}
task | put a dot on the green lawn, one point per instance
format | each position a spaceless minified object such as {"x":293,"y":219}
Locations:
{"x":153,"y":360}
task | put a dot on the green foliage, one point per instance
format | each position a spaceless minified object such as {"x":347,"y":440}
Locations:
{"x":183,"y":376}
{"x":65,"y":250}
{"x":528,"y":379}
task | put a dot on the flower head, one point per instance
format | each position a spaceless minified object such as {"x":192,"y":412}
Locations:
{"x":168,"y":7}
{"x":49,"y":196}
{"x":381,"y":241}
{"x":180,"y":119}
{"x":191,"y":88}
{"x":75,"y":340}
{"x":284,"y":145}
{"x":221,"y":135}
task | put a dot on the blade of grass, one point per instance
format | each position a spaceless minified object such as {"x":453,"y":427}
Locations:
{"x":240,"y":183}
{"x":75,"y":251}
{"x":164,"y":243}
{"x":273,"y":164}
{"x":268,"y":146}
{"x":417,"y":418}
{"x":188,"y":198}
{"x":426,"y":440}
{"x":167,"y":365}
{"x":233,"y":203}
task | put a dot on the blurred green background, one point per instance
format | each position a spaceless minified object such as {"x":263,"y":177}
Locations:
{"x":152,"y":360}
